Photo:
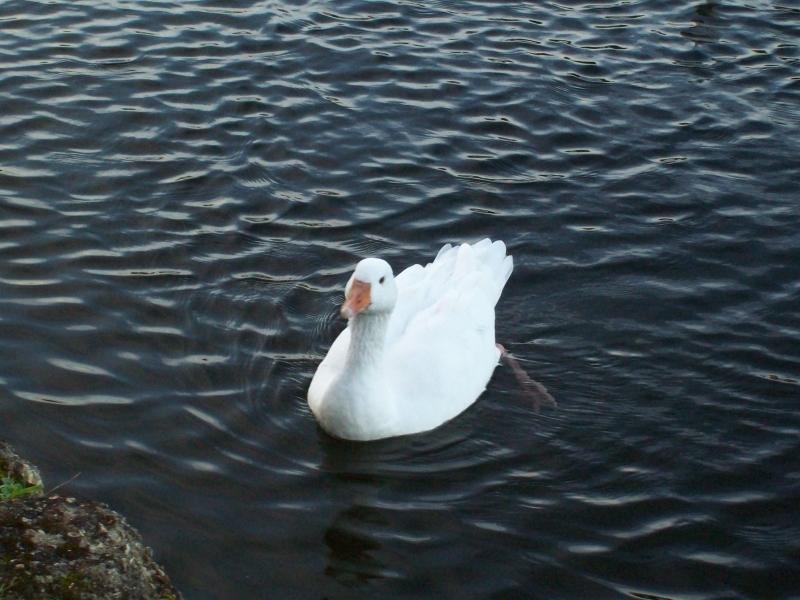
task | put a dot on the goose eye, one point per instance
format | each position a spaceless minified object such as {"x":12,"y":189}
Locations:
{"x":382,"y":280}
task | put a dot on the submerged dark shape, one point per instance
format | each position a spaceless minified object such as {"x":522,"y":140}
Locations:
{"x":64,"y":548}
{"x":706,"y":24}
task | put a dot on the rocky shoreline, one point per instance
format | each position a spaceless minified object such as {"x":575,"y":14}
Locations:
{"x":59,"y":547}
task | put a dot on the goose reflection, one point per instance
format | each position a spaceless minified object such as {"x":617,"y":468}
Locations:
{"x":367,"y":477}
{"x":353,"y":548}
{"x":355,"y":556}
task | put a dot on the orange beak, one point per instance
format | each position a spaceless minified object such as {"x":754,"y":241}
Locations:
{"x":357,"y":300}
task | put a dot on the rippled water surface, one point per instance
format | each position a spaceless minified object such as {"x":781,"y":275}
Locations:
{"x":185,"y":187}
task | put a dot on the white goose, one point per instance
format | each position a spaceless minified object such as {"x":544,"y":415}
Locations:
{"x":418,"y":349}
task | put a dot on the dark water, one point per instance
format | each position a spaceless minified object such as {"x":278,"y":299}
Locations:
{"x":184,"y":188}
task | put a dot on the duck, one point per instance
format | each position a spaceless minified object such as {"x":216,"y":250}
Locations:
{"x":418,"y":349}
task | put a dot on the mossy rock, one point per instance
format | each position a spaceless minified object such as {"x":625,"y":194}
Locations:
{"x":13,"y":466}
{"x":62,"y":548}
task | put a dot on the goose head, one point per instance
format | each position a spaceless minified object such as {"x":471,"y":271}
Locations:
{"x":371,"y":289}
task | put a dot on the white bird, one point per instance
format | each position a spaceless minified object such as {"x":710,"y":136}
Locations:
{"x":419,"y":348}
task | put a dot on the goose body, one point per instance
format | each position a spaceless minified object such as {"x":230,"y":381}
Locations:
{"x":419,"y":348}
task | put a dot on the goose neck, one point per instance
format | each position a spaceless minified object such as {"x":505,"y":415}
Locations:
{"x":367,"y":338}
